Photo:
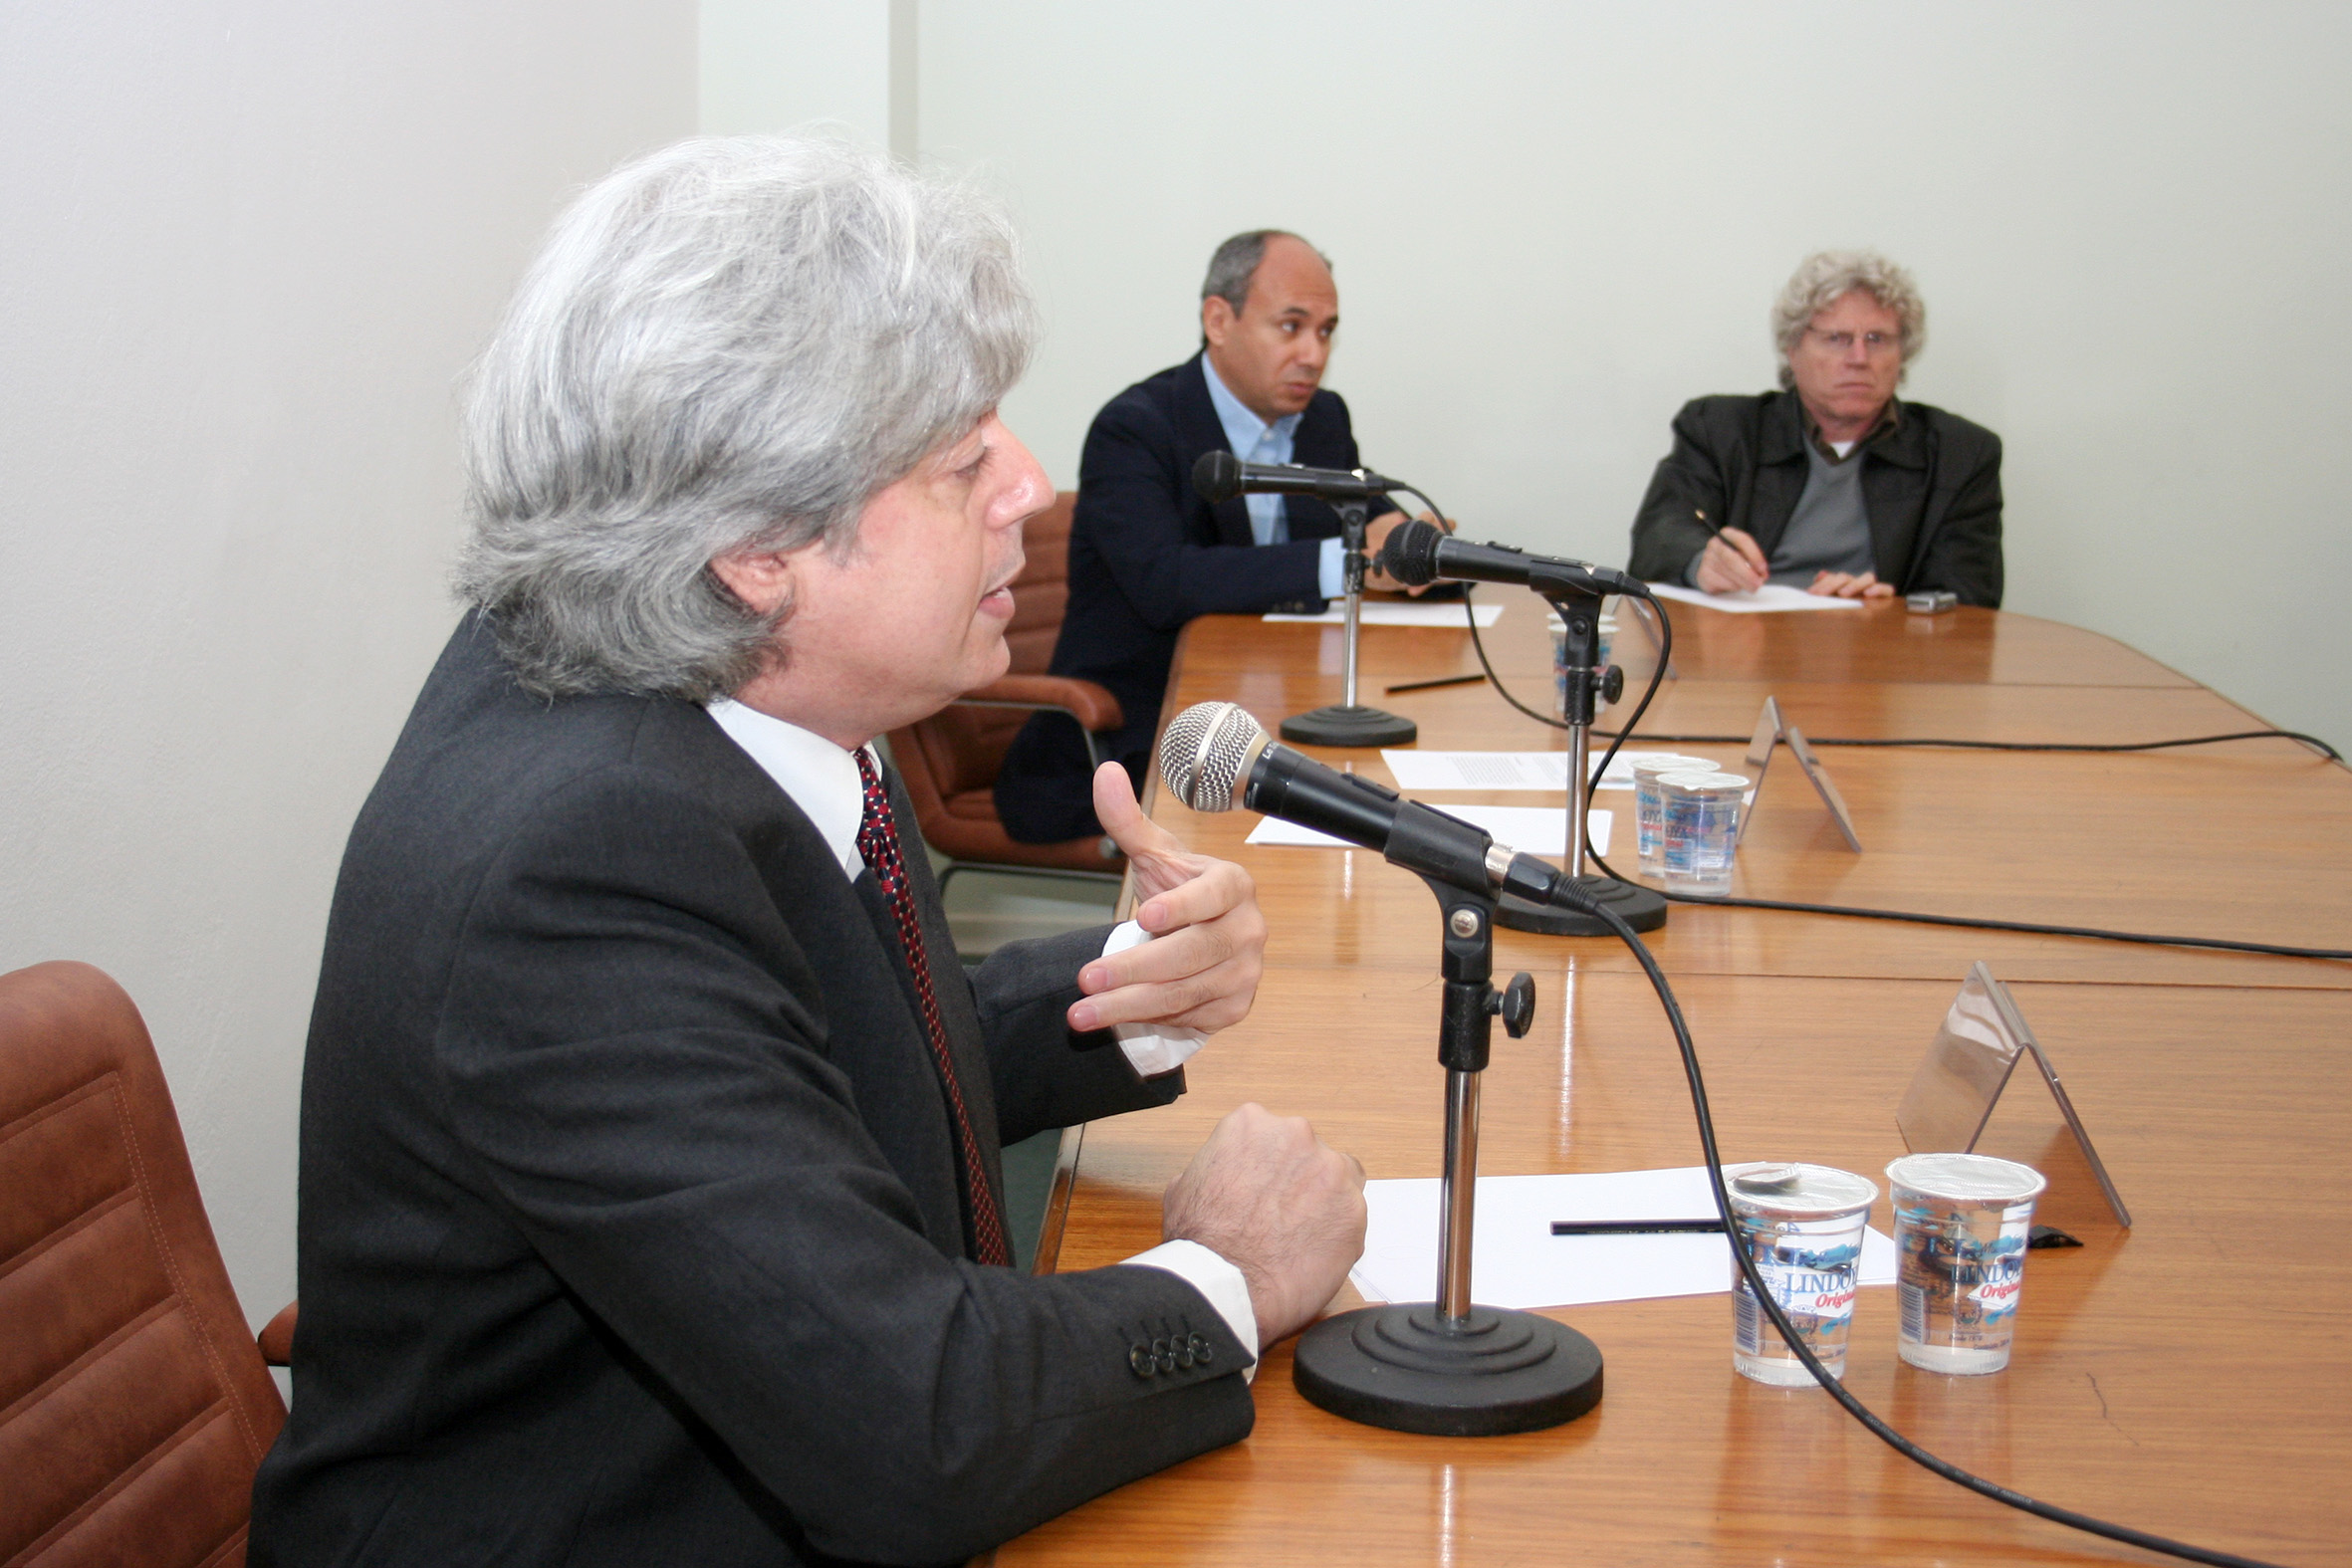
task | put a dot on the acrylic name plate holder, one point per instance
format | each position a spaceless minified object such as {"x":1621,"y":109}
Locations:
{"x":1952,"y":1095}
{"x":1770,"y":730}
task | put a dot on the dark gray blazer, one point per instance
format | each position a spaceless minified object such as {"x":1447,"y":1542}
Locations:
{"x":629,"y":1225}
{"x":1932,"y":489}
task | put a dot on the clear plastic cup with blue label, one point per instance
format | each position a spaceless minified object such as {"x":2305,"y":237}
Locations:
{"x":1962,"y":1224}
{"x":1803,"y":1226}
{"x":1698,"y":830}
{"x":1649,"y":804}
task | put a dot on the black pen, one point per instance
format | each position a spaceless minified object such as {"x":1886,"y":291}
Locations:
{"x":1636,"y":1227}
{"x":1422,"y":686}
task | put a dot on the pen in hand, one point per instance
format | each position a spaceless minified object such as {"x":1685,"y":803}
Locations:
{"x":1750,"y":559}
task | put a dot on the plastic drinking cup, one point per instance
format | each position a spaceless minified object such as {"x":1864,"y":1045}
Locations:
{"x":1700,"y":828}
{"x":1962,"y":1221}
{"x":1649,"y":805}
{"x":1802,"y":1224}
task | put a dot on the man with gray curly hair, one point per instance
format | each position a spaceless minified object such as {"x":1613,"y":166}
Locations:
{"x":651,"y":1208}
{"x":1831,"y":484}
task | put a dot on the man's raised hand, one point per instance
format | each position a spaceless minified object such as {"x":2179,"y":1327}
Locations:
{"x":1200,"y":970}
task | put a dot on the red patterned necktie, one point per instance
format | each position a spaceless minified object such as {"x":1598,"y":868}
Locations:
{"x":878,"y":842}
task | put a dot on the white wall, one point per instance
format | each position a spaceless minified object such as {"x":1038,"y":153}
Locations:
{"x":1554,"y":222}
{"x":773,"y":64}
{"x":248,"y":246}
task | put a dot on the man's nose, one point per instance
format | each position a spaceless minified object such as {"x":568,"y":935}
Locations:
{"x":1028,"y":492}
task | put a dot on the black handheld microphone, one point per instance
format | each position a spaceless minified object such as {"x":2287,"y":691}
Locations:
{"x":1416,"y":553}
{"x":1216,"y":756}
{"x":1220,"y":476}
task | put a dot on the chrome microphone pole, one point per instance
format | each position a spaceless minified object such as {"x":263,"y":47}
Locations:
{"x":1350,"y":723}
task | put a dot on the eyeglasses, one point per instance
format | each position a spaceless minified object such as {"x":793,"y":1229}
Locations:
{"x":1876,"y":344}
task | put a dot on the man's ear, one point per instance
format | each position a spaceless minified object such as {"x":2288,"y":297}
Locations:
{"x":1215,"y":319}
{"x":762,"y":579}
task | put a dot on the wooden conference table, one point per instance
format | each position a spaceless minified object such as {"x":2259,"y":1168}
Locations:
{"x":2192,"y":1375}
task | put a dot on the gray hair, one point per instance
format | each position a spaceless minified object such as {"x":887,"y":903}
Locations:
{"x":1235,"y":263}
{"x":1826,"y":276}
{"x":729,"y":345}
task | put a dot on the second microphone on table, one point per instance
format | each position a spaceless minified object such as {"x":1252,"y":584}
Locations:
{"x":1416,"y":553}
{"x":1220,"y":476}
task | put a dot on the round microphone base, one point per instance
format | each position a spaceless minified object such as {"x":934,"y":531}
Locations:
{"x":1405,"y":1367}
{"x":1357,"y":725}
{"x":1644,"y":909}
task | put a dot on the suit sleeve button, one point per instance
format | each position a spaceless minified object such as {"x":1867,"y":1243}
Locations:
{"x":1202,"y":1351}
{"x":1140,"y":1359}
{"x":1165,"y":1353}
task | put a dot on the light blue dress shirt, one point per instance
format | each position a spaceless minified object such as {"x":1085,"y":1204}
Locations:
{"x":1254,"y":441}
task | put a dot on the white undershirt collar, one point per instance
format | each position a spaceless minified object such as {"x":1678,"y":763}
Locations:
{"x":820,"y":778}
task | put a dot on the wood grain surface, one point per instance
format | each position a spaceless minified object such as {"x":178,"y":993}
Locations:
{"x":2191,"y":1376}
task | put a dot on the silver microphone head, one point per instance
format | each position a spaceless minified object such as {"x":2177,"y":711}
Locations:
{"x":1206,"y":753}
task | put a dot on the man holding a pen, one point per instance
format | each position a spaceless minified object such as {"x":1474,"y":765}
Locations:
{"x":1831,"y":484}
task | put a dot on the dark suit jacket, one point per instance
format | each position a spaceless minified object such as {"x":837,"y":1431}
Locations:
{"x":629,"y":1224}
{"x":1932,"y":489}
{"x":1148,"y":554}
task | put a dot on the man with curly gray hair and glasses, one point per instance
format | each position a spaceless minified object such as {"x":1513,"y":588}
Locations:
{"x":651,"y":1208}
{"x":1831,"y":484}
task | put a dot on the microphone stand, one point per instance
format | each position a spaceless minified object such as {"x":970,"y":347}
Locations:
{"x":1350,"y":723}
{"x":1642,"y":908}
{"x":1447,"y":1367}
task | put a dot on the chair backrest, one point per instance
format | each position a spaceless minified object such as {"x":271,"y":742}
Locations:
{"x":1042,"y":592}
{"x":133,"y":1403}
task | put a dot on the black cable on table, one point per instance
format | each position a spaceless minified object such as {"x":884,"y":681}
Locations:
{"x":2034,"y":928}
{"x":2312,"y":741}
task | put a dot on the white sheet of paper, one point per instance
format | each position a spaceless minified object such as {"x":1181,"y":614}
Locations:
{"x":1765,"y":601}
{"x":1387,"y":615}
{"x":1504,"y":770}
{"x":1530,"y":829}
{"x":1772,"y":596}
{"x":1515,"y":1260}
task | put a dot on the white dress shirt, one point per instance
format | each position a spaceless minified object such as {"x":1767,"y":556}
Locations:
{"x":822,"y":781}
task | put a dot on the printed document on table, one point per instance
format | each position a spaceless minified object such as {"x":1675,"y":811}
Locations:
{"x":1515,"y":1260}
{"x":1772,"y":596}
{"x":1504,"y":770}
{"x":1530,"y":829}
{"x":1402,"y":616}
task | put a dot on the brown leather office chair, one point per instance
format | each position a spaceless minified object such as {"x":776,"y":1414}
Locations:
{"x":134,"y":1405}
{"x":950,"y":759}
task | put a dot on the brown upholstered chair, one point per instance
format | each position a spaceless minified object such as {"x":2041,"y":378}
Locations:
{"x":134,"y":1405}
{"x":950,"y":759}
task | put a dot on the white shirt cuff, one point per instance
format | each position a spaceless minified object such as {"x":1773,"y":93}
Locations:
{"x":1215,"y":1278}
{"x":1333,"y":571}
{"x":1152,"y":1048}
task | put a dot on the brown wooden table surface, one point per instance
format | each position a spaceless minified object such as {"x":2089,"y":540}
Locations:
{"x":2192,"y":1375}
